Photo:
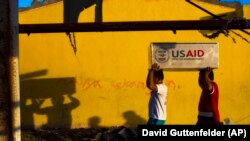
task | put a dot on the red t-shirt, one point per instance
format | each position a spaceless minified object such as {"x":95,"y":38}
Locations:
{"x":209,"y":102}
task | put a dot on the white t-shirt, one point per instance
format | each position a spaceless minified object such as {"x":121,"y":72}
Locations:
{"x":157,"y":103}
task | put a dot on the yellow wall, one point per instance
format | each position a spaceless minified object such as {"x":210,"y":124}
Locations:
{"x":106,"y":78}
{"x":246,"y":11}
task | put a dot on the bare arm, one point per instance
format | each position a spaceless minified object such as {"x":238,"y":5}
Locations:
{"x":208,"y":83}
{"x":150,"y":78}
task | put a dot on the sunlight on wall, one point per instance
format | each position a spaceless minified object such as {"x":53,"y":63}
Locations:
{"x":105,"y":80}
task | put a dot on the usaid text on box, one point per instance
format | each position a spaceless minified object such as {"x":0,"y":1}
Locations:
{"x":185,"y":55}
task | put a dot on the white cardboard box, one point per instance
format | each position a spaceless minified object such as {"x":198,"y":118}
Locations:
{"x":185,"y":55}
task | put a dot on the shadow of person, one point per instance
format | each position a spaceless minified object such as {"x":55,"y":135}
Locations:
{"x":59,"y":114}
{"x":94,"y":122}
{"x":28,"y":108}
{"x":132,"y":119}
{"x":34,"y":92}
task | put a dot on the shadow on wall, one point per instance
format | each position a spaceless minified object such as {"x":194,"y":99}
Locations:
{"x":73,"y":8}
{"x":231,"y":16}
{"x":132,"y":119}
{"x":94,"y":122}
{"x":215,"y":33}
{"x":35,"y":92}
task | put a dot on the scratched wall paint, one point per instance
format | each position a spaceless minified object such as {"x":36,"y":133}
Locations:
{"x":107,"y":74}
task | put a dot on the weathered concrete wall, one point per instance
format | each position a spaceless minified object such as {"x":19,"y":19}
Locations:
{"x":9,"y":72}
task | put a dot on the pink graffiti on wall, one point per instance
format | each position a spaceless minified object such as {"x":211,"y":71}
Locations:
{"x":128,"y":84}
{"x":124,"y":84}
{"x":90,"y":83}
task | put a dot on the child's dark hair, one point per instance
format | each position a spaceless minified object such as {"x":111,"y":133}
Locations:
{"x":210,"y":75}
{"x":159,"y":74}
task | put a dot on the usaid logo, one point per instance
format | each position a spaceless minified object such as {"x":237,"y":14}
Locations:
{"x":184,"y":55}
{"x":161,"y":55}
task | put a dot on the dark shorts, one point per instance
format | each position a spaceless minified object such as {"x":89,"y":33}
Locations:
{"x":153,"y":121}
